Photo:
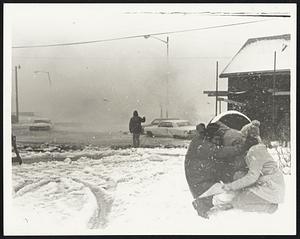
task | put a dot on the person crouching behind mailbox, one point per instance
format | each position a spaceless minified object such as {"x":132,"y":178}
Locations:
{"x":200,"y":165}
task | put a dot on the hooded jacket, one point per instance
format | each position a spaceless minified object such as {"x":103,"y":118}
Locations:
{"x":264,"y":177}
{"x":135,"y":126}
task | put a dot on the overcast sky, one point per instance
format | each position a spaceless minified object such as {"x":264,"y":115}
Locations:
{"x":102,"y":83}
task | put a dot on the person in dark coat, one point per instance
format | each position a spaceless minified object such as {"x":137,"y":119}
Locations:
{"x":14,"y":144}
{"x":200,"y":166}
{"x":193,"y":153}
{"x":135,"y":128}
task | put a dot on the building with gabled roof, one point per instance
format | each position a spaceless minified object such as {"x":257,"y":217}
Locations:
{"x":257,"y":57}
{"x":259,"y":82}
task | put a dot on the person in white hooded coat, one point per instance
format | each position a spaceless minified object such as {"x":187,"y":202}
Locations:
{"x":262,"y":188}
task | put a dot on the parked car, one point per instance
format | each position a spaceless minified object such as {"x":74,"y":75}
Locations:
{"x":155,"y":122}
{"x":41,"y":124}
{"x":172,"y":128}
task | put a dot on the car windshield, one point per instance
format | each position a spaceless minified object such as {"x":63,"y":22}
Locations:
{"x":42,"y":121}
{"x":155,"y":122}
{"x":181,"y":124}
{"x":165,"y":124}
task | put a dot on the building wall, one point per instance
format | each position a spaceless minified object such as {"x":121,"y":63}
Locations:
{"x":259,"y":101}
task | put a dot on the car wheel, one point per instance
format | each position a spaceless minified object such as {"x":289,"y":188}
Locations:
{"x":149,"y":133}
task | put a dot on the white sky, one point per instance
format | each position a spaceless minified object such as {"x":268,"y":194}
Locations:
{"x":130,"y":73}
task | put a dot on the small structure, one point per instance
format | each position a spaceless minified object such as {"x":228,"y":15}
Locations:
{"x":259,"y":83}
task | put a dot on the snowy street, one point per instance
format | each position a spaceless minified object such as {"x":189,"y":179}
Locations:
{"x":126,"y":191}
{"x":167,"y":119}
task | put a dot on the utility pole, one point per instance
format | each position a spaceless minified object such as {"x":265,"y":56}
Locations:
{"x":274,"y":87}
{"x":220,"y":107}
{"x":17,"y":100}
{"x":167,"y":85}
{"x":217,"y":77}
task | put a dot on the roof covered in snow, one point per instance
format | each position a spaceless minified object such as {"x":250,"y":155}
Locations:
{"x":257,"y":56}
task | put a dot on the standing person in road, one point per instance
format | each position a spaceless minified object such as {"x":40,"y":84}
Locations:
{"x":135,"y":128}
{"x":14,"y":144}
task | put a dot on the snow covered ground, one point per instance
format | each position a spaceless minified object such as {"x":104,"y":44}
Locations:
{"x":125,"y":191}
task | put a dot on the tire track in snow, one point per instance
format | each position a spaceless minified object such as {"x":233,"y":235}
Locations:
{"x":104,"y":202}
{"x":124,"y":167}
{"x":103,"y":199}
{"x":22,"y":185}
{"x":30,"y":187}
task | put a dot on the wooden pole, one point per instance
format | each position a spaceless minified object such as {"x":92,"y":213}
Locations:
{"x":167,"y":85}
{"x":17,"y":100}
{"x":274,"y":87}
{"x":217,"y":77}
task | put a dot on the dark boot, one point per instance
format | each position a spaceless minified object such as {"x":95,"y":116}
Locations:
{"x":203,"y":205}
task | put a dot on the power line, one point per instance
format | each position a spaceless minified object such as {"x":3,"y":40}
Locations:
{"x":137,"y":36}
{"x":113,"y":58}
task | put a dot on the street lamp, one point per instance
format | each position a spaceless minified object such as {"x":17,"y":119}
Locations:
{"x":167,"y":80}
{"x":36,"y":72}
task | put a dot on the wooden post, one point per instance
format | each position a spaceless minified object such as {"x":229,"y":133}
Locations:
{"x":217,"y":77}
{"x":273,"y":97}
{"x":17,"y":100}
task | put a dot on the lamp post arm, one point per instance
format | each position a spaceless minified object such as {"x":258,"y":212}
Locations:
{"x":47,"y":72}
{"x":166,"y":42}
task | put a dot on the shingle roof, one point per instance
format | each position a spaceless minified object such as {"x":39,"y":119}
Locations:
{"x":257,"y":55}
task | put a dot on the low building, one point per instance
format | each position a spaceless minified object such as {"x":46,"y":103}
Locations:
{"x":259,"y":83}
{"x":23,"y":117}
